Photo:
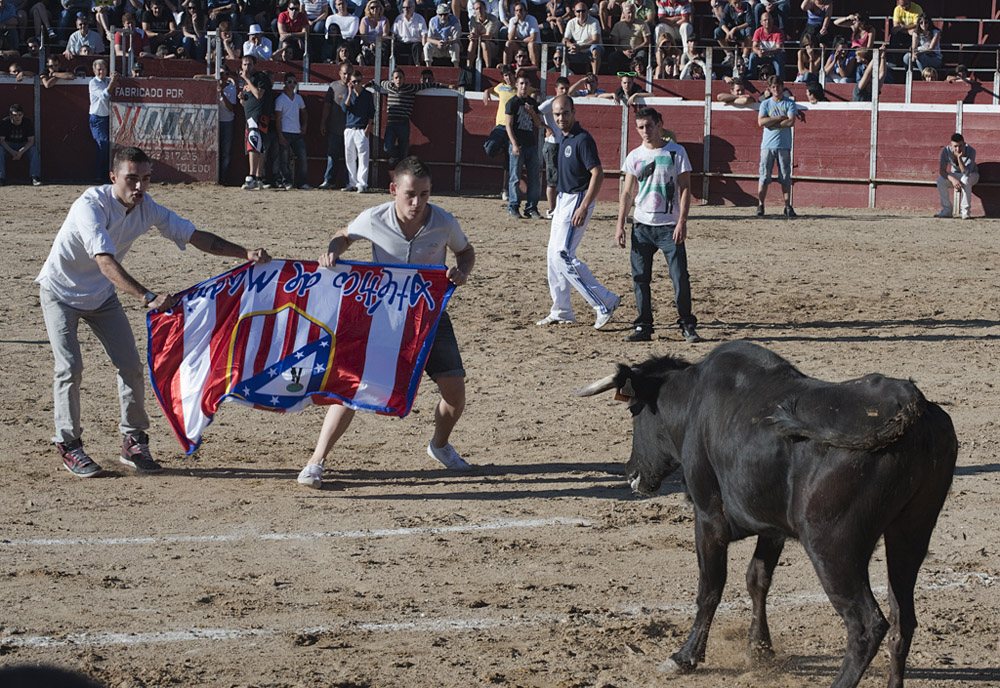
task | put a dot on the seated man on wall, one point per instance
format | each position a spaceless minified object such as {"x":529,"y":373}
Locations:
{"x":957,"y":172}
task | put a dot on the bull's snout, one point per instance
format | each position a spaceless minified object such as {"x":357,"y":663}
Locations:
{"x":639,"y":486}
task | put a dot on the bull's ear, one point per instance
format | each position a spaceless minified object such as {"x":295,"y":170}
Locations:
{"x":626,"y":392}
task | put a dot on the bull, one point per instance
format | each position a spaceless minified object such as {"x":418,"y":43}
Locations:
{"x":770,"y":452}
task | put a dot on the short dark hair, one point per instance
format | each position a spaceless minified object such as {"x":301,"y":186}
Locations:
{"x":647,"y":112}
{"x":775,"y":79}
{"x":505,"y":69}
{"x":816,"y":89}
{"x":126,"y":155}
{"x":562,"y":81}
{"x":15,"y":107}
{"x":957,"y":138}
{"x":522,"y":74}
{"x":398,"y":70}
{"x":413,"y":166}
{"x":252,"y":58}
{"x":426,"y":73}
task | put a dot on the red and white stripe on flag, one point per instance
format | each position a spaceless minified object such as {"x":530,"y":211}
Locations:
{"x":286,"y":334}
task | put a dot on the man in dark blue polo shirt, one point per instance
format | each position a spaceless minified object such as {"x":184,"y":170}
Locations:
{"x":360,"y":109}
{"x":580,"y":179}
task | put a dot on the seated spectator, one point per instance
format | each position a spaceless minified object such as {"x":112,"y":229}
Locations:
{"x":631,"y":40}
{"x":838,"y":67}
{"x":768,"y":46}
{"x":138,"y":70}
{"x":316,"y":12}
{"x":815,"y":93}
{"x":341,"y":28}
{"x":158,"y":24}
{"x":628,"y":91}
{"x":131,"y":39}
{"x":674,"y":18}
{"x":257,"y":45}
{"x":41,"y":19}
{"x":13,"y":22}
{"x":193,"y":28}
{"x":17,"y":141}
{"x":83,"y":36}
{"x":293,"y":32}
{"x":427,"y":76}
{"x":904,"y":23}
{"x":408,"y":33}
{"x":609,"y":13}
{"x":819,"y":18}
{"x":252,"y":12}
{"x":862,"y":31}
{"x":864,"y":68}
{"x":557,"y":59}
{"x":961,"y":75}
{"x":957,"y":171}
{"x":810,"y":59}
{"x":929,"y":74}
{"x":736,"y":29}
{"x":523,"y":33}
{"x":556,"y":15}
{"x":54,"y":72}
{"x":694,"y":70}
{"x":107,"y":13}
{"x":738,"y":95}
{"x":522,"y":61}
{"x":230,"y":49}
{"x":218,"y":11}
{"x":925,"y":48}
{"x":667,"y":58}
{"x":444,"y":35}
{"x":586,"y":87}
{"x":15,"y":70}
{"x":483,"y":31}
{"x":346,"y":55}
{"x":374,"y":27}
{"x":777,"y":8}
{"x":71,"y":11}
{"x":582,"y":39}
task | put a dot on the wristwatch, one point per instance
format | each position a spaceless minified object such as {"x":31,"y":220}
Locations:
{"x":148,"y":298}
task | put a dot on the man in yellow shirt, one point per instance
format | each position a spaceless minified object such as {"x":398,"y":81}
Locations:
{"x":904,"y":21}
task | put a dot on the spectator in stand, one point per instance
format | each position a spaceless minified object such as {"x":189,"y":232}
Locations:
{"x":259,"y":12}
{"x":374,"y":26}
{"x":332,"y":126}
{"x":768,"y":46}
{"x":838,"y":67}
{"x":54,"y":72}
{"x":925,"y":50}
{"x":631,"y":39}
{"x":957,"y":171}
{"x":778,"y":9}
{"x":738,"y":95}
{"x":735,"y":29}
{"x":776,"y":117}
{"x":862,"y":31}
{"x":293,"y":32}
{"x":408,"y":33}
{"x":159,"y":26}
{"x":582,"y":39}
{"x":15,"y":70}
{"x":17,"y":140}
{"x":228,"y":96}
{"x":961,"y":75}
{"x":341,"y":28}
{"x":100,"y":116}
{"x":904,"y":22}
{"x":557,"y":59}
{"x":523,"y":33}
{"x":360,"y":108}
{"x":399,"y":111}
{"x":550,"y":149}
{"x":929,"y":74}
{"x":316,"y":12}
{"x":219,"y":11}
{"x":131,"y":39}
{"x":667,"y":58}
{"x":609,"y":13}
{"x":483,"y":31}
{"x":627,"y":92}
{"x":522,"y":121}
{"x":32,"y":46}
{"x":83,"y":36}
{"x":108,"y":15}
{"x":556,"y":15}
{"x":815,"y":93}
{"x":193,"y":28}
{"x":444,"y":36}
{"x":71,"y":11}
{"x":41,"y":18}
{"x":810,"y":60}
{"x":291,"y":120}
{"x":523,"y":61}
{"x":257,"y":45}
{"x":230,"y":49}
{"x":864,"y":67}
{"x":819,"y":18}
{"x":427,"y":76}
{"x":258,"y":107}
{"x":345,"y":53}
{"x":586,"y":87}
{"x":674,"y":19}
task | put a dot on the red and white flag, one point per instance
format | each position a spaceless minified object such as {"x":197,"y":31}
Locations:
{"x":286,"y":334}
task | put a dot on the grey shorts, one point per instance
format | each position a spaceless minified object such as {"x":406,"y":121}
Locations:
{"x":444,"y":359}
{"x":767,"y":159}
{"x":550,"y":154}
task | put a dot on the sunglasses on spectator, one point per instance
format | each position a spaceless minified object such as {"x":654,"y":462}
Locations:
{"x":580,"y":11}
{"x":631,"y":74}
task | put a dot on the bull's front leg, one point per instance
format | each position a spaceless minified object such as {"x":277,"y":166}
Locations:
{"x":712,"y":543}
{"x":759,"y":575}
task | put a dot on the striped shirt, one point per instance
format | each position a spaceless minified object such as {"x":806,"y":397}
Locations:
{"x":400,"y":105}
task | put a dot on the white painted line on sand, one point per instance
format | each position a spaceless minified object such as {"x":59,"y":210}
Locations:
{"x":500,"y":524}
{"x":443,"y":625}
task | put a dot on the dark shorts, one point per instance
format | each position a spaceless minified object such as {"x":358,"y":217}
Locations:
{"x":550,"y":154}
{"x":444,"y":359}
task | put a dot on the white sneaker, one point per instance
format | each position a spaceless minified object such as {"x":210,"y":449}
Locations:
{"x":605,"y":317}
{"x":548,"y":214}
{"x":448,"y":456}
{"x":554,"y":320}
{"x":503,"y":195}
{"x":311,"y":476}
{"x":965,"y":214}
{"x":249,"y":184}
{"x":944,"y":213}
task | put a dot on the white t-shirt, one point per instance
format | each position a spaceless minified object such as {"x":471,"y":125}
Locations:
{"x":380,"y":226}
{"x":348,"y":25}
{"x":289,"y":109}
{"x":657,"y":201}
{"x":520,"y":30}
{"x":548,"y":119}
{"x":588,"y":34}
{"x":97,"y":223}
{"x":411,"y":31}
{"x":229,"y":93}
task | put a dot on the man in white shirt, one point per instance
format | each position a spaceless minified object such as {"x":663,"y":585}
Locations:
{"x":523,"y":32}
{"x":582,"y":38}
{"x":290,"y":118}
{"x":78,"y":282}
{"x":256,"y":44}
{"x":83,"y":36}
{"x":408,"y":33}
{"x":443,"y":38}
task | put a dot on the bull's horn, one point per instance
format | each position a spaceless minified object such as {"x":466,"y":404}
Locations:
{"x":602,"y":385}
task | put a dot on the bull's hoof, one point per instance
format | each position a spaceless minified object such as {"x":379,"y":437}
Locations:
{"x":672,"y":666}
{"x":760,"y":654}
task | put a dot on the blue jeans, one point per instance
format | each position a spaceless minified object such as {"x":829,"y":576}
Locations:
{"x":100,"y":129}
{"x":34,"y":161}
{"x":334,"y":156}
{"x":196,"y":49}
{"x":646,"y":239}
{"x":529,"y":160}
{"x":780,"y":12}
{"x":768,"y":156}
{"x":296,"y":145}
{"x":396,"y":142}
{"x":777,"y":61}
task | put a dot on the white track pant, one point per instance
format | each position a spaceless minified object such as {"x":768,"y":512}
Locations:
{"x":356,"y":153}
{"x":945,"y":190}
{"x":565,"y":269}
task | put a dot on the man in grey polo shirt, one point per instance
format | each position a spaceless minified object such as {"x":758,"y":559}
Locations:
{"x":408,"y":230}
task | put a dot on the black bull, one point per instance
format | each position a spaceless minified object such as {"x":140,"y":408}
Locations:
{"x":768,"y":451}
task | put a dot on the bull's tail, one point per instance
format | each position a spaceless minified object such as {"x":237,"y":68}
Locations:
{"x":848,"y":431}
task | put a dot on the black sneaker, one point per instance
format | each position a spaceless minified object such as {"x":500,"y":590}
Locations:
{"x":533,"y":214}
{"x":514,"y":212}
{"x":76,"y":461}
{"x":642,"y":333}
{"x":760,"y":210}
{"x":135,"y":453}
{"x":790,"y":211}
{"x":690,"y":334}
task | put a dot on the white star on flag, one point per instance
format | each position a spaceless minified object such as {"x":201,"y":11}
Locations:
{"x":274,"y":401}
